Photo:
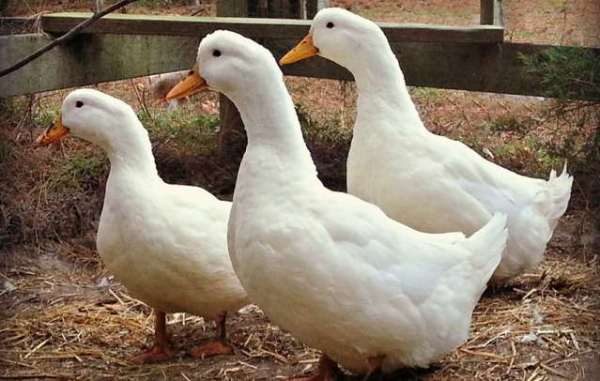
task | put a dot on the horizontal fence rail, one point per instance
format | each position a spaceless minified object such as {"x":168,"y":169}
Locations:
{"x":126,"y":46}
{"x":257,"y":28}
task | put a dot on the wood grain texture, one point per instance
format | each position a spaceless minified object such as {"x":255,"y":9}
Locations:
{"x":93,"y":58}
{"x":491,"y":12}
{"x":58,"y":23}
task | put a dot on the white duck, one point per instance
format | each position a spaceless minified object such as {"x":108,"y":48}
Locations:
{"x":332,"y":269}
{"x":428,"y":182}
{"x":166,"y":243}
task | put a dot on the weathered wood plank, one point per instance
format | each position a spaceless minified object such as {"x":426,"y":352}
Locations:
{"x":259,"y":28}
{"x":486,"y":68}
{"x":314,"y":6}
{"x":91,"y":59}
{"x":491,"y":12}
{"x":104,"y":57}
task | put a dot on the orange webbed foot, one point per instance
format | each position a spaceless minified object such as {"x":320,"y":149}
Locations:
{"x":154,"y":355}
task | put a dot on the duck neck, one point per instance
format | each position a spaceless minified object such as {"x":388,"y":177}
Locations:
{"x":382,"y":91}
{"x":131,"y":155}
{"x":273,"y":129}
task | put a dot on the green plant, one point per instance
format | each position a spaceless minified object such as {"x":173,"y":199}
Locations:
{"x":45,"y":116}
{"x":566,"y":72}
{"x":327,"y":132}
{"x":79,"y":172}
{"x":183,"y":128}
{"x":528,"y":155}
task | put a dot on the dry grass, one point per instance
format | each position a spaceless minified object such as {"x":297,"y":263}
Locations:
{"x":66,"y":318}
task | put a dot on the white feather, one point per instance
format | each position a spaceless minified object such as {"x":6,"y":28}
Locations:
{"x":426,"y":181}
{"x":166,"y":243}
{"x":330,"y":268}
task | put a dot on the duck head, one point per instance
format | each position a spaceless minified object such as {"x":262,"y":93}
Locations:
{"x":340,"y":36}
{"x":228,"y":63}
{"x":93,"y":116}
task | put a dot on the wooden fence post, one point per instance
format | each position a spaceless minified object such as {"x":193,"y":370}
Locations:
{"x":232,"y":137}
{"x":314,"y":6}
{"x":490,"y":12}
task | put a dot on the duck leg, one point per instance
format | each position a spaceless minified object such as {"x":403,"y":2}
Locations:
{"x":328,"y":371}
{"x":217,"y":346}
{"x":161,"y":350}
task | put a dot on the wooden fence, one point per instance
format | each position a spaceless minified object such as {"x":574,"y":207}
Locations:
{"x":122,"y":46}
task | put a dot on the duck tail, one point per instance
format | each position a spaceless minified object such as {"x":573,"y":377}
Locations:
{"x":486,"y":246}
{"x":559,"y":188}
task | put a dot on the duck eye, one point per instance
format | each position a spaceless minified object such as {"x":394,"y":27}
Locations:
{"x":79,"y":104}
{"x":330,"y":25}
{"x":216,"y":53}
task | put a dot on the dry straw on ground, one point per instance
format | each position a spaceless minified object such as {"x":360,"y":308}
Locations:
{"x":65,"y":318}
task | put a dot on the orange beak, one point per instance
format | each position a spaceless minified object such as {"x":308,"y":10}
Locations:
{"x":303,"y":50}
{"x":53,"y":133}
{"x":187,"y":86}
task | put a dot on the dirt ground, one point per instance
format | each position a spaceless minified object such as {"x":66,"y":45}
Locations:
{"x":65,"y":318}
{"x":62,"y":316}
